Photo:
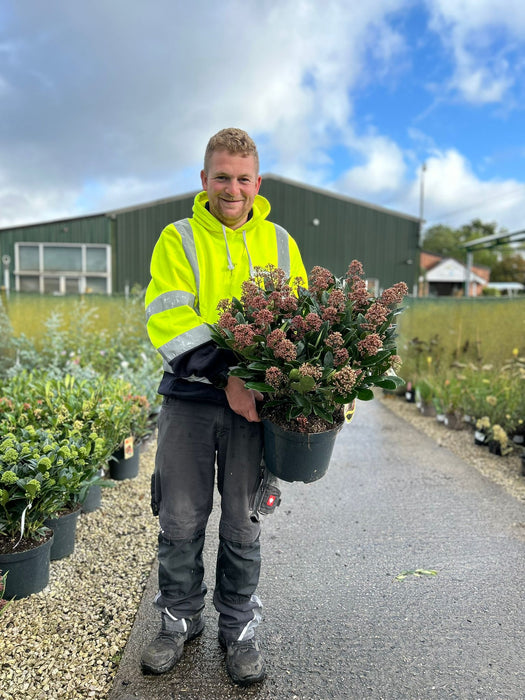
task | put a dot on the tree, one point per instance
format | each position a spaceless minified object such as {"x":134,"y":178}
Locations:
{"x":509,"y":269}
{"x":443,"y":241}
{"x":447,"y":242}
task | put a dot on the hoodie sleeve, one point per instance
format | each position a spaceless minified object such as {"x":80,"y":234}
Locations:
{"x":205,"y":361}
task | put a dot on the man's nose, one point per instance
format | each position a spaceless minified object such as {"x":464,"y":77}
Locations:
{"x":233,"y":188}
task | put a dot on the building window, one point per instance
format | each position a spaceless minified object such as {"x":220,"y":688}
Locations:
{"x":63,"y":268}
{"x":29,"y":259}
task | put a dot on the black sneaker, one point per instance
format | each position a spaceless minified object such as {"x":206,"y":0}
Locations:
{"x":244,"y":661}
{"x":165,"y":650}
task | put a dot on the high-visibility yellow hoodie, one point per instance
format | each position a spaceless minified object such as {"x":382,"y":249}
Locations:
{"x":197,"y":262}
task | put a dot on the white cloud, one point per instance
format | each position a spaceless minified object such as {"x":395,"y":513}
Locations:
{"x":484,"y":38}
{"x":382,"y":172}
{"x":454,"y":195}
{"x":112,"y":104}
{"x":119,"y":91}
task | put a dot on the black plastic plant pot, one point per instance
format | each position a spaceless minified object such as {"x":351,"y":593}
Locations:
{"x":93,"y":499}
{"x":122,"y":467}
{"x":293,"y":456}
{"x":64,"y":530}
{"x":27,"y":571}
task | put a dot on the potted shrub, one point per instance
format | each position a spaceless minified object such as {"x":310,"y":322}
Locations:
{"x":124,"y":419}
{"x":25,"y":542}
{"x":424,"y":397}
{"x":311,"y":351}
{"x":451,"y":395}
{"x":40,"y":478}
{"x":499,"y":443}
{"x":74,"y":464}
{"x":65,"y":406}
{"x":481,"y":434}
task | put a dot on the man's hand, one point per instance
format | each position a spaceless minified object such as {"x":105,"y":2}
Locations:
{"x":242,"y":400}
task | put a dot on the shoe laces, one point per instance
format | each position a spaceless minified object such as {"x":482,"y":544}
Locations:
{"x":245,"y":646}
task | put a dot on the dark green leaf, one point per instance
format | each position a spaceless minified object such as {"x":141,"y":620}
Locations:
{"x":325,"y":415}
{"x":328,"y":360}
{"x":365,"y":394}
{"x":260,"y":386}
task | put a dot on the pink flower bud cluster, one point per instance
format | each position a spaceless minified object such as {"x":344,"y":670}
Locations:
{"x":298,"y":326}
{"x":376,"y":315}
{"x":395,"y":362}
{"x":227,"y":321}
{"x":334,"y":340}
{"x":253,"y":296}
{"x":275,"y":337}
{"x":262,"y":318}
{"x":274,"y":377}
{"x":285,"y":350}
{"x":394,"y":295}
{"x":370,"y":345}
{"x":308,"y":370}
{"x":313,"y":322}
{"x":337,"y":300}
{"x":281,"y":301}
{"x":359,"y":295}
{"x":330,"y":314}
{"x":355,"y":269}
{"x":345,"y":379}
{"x":340,"y":357}
{"x":320,"y":279}
{"x":243,"y":334}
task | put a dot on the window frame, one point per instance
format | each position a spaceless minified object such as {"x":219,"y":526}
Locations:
{"x":62,"y":275}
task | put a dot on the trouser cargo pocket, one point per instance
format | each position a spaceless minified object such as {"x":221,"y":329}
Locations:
{"x":155,"y":494}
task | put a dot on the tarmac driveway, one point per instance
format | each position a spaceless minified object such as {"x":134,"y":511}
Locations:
{"x":338,"y":624}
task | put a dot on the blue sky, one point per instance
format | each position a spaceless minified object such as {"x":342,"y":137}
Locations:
{"x":109,"y":104}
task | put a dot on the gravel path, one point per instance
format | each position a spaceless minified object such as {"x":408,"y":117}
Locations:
{"x":66,"y":642}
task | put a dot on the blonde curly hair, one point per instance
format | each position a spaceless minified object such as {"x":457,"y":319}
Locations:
{"x":234,"y":141}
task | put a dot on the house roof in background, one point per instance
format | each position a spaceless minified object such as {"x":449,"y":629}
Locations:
{"x":450,"y":270}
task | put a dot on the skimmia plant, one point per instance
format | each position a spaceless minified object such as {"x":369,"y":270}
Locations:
{"x":311,"y":350}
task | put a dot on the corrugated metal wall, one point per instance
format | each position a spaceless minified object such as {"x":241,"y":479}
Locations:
{"x":382,"y":240}
{"x":87,"y":229}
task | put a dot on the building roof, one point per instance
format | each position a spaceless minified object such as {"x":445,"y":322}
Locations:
{"x":514,"y":286}
{"x":450,"y":270}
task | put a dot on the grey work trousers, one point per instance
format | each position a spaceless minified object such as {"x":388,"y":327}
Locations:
{"x":194,"y":438}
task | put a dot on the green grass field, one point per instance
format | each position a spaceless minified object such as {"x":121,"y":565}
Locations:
{"x":28,"y":313}
{"x":484,"y":331}
{"x":480,"y":330}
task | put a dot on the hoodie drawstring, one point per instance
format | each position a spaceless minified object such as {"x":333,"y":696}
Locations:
{"x":231,"y":266}
{"x":230,"y":263}
{"x":247,"y":252}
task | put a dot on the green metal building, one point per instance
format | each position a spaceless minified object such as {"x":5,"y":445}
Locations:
{"x":110,"y":252}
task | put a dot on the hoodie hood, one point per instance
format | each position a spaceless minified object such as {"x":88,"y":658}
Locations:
{"x":261,"y":209}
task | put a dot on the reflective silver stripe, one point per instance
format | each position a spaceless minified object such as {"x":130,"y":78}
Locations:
{"x":283,"y":249}
{"x":184,"y":342}
{"x":188,"y":243}
{"x":169,"y":300}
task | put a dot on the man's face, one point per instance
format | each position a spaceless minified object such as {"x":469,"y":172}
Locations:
{"x":231,"y":183}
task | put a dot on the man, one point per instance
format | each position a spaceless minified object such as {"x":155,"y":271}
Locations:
{"x":207,"y":416}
